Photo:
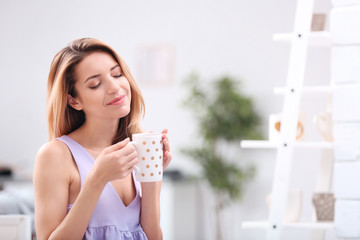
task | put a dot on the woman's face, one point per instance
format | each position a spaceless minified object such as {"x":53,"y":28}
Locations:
{"x":102,"y":89}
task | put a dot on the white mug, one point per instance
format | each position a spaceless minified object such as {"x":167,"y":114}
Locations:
{"x":149,"y":147}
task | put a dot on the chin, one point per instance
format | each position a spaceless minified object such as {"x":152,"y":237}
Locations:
{"x":123,"y":113}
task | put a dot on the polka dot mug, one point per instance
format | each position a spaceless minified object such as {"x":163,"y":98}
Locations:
{"x":149,"y":147}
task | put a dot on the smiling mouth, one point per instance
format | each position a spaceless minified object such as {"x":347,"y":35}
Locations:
{"x":118,"y":100}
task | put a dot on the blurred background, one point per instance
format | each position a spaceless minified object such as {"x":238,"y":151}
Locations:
{"x":163,"y":42}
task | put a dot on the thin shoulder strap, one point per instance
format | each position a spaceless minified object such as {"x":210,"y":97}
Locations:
{"x":82,"y":157}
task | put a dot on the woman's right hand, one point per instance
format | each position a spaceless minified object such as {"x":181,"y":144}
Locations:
{"x":115,"y":162}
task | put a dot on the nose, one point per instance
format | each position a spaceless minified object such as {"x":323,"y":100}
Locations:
{"x":113,"y":86}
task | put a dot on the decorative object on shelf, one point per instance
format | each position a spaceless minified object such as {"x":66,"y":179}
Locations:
{"x":324,"y":206}
{"x":224,"y":115}
{"x":324,"y":125}
{"x":275,"y":126}
{"x":323,"y":122}
{"x":318,"y":22}
{"x":294,"y":205}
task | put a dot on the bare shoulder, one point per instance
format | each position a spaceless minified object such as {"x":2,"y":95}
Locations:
{"x":54,"y":146}
{"x":54,"y":150}
{"x":53,"y":155}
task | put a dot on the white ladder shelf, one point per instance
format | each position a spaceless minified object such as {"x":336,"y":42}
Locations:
{"x":300,"y":39}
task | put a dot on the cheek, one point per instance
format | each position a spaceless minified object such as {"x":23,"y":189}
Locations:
{"x":91,"y":99}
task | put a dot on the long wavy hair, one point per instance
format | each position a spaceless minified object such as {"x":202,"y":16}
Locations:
{"x":62,"y":118}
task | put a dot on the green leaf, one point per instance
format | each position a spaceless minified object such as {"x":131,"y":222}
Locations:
{"x":222,"y":111}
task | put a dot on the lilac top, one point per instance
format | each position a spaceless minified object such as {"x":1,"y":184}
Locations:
{"x":111,"y":219}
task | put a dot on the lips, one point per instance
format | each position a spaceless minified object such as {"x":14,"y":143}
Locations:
{"x":118,"y":100}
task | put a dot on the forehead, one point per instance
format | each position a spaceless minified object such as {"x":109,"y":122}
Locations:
{"x":93,"y":64}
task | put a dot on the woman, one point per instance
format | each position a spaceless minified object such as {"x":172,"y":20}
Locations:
{"x":83,"y":178}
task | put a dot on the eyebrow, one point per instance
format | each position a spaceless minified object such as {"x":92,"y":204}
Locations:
{"x":97,"y":75}
{"x":117,"y":65}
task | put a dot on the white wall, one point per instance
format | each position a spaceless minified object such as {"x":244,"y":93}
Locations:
{"x":211,"y":37}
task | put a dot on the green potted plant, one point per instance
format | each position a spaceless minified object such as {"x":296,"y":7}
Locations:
{"x":223,"y":114}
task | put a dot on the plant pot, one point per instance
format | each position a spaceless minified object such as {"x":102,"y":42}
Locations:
{"x":324,"y":206}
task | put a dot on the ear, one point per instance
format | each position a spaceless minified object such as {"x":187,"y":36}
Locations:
{"x":74,"y":103}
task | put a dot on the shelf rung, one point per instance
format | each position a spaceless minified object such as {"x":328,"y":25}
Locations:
{"x":312,"y":89}
{"x":273,"y":145}
{"x":314,"y":144}
{"x":297,"y":225}
{"x":317,"y":39}
{"x":255,"y":225}
{"x":312,"y":225}
{"x":258,"y":144}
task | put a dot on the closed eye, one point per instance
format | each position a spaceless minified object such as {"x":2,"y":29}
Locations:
{"x":118,"y":76}
{"x":95,"y":87}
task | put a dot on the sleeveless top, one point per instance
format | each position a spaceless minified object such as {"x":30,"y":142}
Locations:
{"x":111,"y":219}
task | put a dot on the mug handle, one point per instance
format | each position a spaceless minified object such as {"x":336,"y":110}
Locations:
{"x":317,"y":120}
{"x":300,"y":131}
{"x":137,"y":169}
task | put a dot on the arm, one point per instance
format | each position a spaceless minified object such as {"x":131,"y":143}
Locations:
{"x":150,"y":209}
{"x":150,"y":201}
{"x":52,"y":179}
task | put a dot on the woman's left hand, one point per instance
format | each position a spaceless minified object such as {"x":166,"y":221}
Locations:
{"x":166,"y":149}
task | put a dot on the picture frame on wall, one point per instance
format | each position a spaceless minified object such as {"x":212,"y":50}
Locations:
{"x":155,"y":64}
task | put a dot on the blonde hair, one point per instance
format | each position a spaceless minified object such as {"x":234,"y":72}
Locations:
{"x":62,"y":118}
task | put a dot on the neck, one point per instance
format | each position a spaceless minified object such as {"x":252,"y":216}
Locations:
{"x":97,"y":133}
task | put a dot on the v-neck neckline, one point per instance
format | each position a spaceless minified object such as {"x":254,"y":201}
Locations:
{"x":109,"y":184}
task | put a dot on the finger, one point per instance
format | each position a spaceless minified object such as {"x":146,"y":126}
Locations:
{"x":118,"y":145}
{"x":126,"y":151}
{"x":168,"y":156}
{"x":166,"y":145}
{"x":167,"y":160}
{"x":131,"y":145}
{"x":122,"y":154}
{"x":132,"y":158}
{"x":164,"y":134}
{"x":132,"y":163}
{"x":127,"y":162}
